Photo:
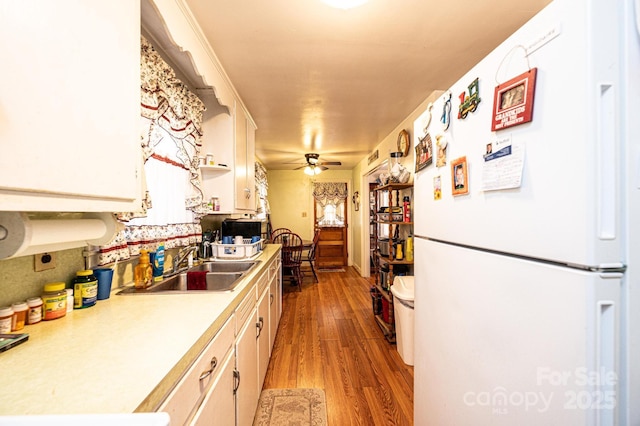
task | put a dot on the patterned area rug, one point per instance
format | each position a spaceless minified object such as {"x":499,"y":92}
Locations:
{"x":299,"y":407}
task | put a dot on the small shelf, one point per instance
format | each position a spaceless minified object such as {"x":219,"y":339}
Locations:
{"x":394,"y":186}
{"x":387,"y":259}
{"x":215,"y":169}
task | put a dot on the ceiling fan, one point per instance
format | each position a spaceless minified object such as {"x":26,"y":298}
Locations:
{"x":314,"y":166}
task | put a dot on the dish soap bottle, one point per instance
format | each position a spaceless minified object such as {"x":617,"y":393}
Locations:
{"x":143,"y":273}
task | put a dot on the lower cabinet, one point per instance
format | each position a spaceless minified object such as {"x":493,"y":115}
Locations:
{"x":246,"y":386}
{"x":223,"y":385}
{"x":202,"y":377}
{"x":217,"y":406}
{"x":264,"y":344}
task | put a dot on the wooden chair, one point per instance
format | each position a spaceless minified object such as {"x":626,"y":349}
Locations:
{"x":291,"y":256}
{"x":277,"y":232}
{"x":311,"y":254}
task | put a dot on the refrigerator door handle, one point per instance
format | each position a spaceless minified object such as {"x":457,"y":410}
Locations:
{"x":606,"y":361}
{"x":606,"y":134}
{"x":637,"y":15}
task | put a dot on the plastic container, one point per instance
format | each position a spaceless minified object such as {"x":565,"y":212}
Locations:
{"x":6,"y":315}
{"x":54,"y":301}
{"x":403,"y":290}
{"x":19,"y":316}
{"x":70,"y":301}
{"x":34,"y":315}
{"x":143,"y":273}
{"x":85,"y":289}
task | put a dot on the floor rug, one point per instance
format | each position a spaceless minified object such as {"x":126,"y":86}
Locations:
{"x":331,"y":270}
{"x":299,"y":407}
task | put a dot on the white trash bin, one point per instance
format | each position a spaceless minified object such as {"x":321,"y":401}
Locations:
{"x":403,"y":298}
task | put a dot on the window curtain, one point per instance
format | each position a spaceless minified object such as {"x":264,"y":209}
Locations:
{"x":329,"y":192}
{"x":170,"y":136}
{"x":262,"y":187}
{"x":330,"y":202}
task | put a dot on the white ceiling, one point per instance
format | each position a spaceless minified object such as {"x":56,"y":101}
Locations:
{"x":336,"y":82}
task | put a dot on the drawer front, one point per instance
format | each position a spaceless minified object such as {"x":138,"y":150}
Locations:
{"x":186,"y":396}
{"x":245,"y":309}
{"x":263,"y":282}
{"x":274,"y":268}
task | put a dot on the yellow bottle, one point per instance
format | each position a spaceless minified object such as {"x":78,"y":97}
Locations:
{"x":143,"y":273}
{"x":408,"y":255}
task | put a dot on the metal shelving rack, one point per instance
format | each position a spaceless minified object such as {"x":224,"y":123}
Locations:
{"x":388,"y":328}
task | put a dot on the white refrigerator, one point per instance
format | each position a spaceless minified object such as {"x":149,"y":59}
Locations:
{"x":525,"y":280}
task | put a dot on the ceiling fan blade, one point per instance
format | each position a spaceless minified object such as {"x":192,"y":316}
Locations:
{"x":330,"y":163}
{"x":322,"y":167}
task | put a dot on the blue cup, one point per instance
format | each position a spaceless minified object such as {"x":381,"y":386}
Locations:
{"x":104,"y":276}
{"x":227,"y":239}
{"x":255,"y":239}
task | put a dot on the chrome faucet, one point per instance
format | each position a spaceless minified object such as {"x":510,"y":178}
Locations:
{"x":180,"y":257}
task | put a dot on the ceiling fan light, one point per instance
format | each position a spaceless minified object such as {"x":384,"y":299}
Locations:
{"x":317,"y":170}
{"x":309,"y":170}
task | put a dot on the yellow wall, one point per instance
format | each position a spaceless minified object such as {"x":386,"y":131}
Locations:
{"x":290,"y":199}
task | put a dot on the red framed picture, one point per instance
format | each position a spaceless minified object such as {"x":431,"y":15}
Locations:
{"x":513,"y":101}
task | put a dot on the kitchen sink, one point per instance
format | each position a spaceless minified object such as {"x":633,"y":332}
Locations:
{"x":225,"y":266}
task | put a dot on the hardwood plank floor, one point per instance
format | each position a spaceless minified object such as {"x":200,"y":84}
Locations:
{"x":328,"y":339}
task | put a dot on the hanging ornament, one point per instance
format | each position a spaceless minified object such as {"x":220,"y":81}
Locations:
{"x":441,"y":143}
{"x":469,"y":103}
{"x":445,"y":118}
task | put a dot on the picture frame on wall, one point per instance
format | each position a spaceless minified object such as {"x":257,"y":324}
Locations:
{"x":424,"y":152}
{"x":459,"y":176}
{"x":513,"y":101}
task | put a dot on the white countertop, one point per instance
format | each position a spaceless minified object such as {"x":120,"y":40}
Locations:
{"x":122,"y":355}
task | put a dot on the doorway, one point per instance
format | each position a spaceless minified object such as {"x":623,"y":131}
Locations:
{"x":369,"y":240}
{"x":331,"y":222}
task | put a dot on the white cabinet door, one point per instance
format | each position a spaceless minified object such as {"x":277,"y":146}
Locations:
{"x":217,"y":409}
{"x":264,"y":344}
{"x":70,"y":105}
{"x":247,"y":369}
{"x":244,"y":161}
{"x":274,"y":317}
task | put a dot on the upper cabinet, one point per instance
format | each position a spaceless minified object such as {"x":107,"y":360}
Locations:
{"x":245,"y":162}
{"x":70,"y":106}
{"x":228,"y":129}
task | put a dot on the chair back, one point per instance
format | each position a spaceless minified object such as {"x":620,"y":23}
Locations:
{"x":291,"y":248}
{"x":277,"y":232}
{"x":312,"y":252}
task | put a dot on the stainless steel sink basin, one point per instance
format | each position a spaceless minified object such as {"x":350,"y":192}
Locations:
{"x":225,"y":266}
{"x":220,"y":276}
{"x":178,"y":284}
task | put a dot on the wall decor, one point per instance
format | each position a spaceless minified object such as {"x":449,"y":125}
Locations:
{"x":424,"y":152}
{"x":437,"y":188}
{"x":445,"y":117}
{"x":403,"y":142}
{"x":459,"y":176}
{"x":513,"y":101}
{"x":469,"y":103}
{"x":441,"y":143}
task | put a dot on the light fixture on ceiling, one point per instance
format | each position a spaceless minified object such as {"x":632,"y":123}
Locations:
{"x":312,"y":170}
{"x":345,"y":4}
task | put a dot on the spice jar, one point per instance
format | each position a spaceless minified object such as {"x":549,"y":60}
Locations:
{"x":6,"y":313}
{"x":34,"y":315}
{"x":85,"y":289}
{"x":54,"y":301}
{"x":19,"y":316}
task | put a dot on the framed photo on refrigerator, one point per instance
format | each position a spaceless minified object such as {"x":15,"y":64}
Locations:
{"x":513,"y":101}
{"x":459,"y":176}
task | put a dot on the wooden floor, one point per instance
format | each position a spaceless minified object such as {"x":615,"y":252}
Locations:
{"x":328,"y":339}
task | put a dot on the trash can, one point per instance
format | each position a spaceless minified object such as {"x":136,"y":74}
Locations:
{"x":403,"y":298}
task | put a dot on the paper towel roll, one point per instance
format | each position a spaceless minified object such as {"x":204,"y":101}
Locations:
{"x":22,"y":236}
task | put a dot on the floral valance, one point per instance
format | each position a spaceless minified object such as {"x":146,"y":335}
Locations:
{"x":329,"y":192}
{"x":165,"y":99}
